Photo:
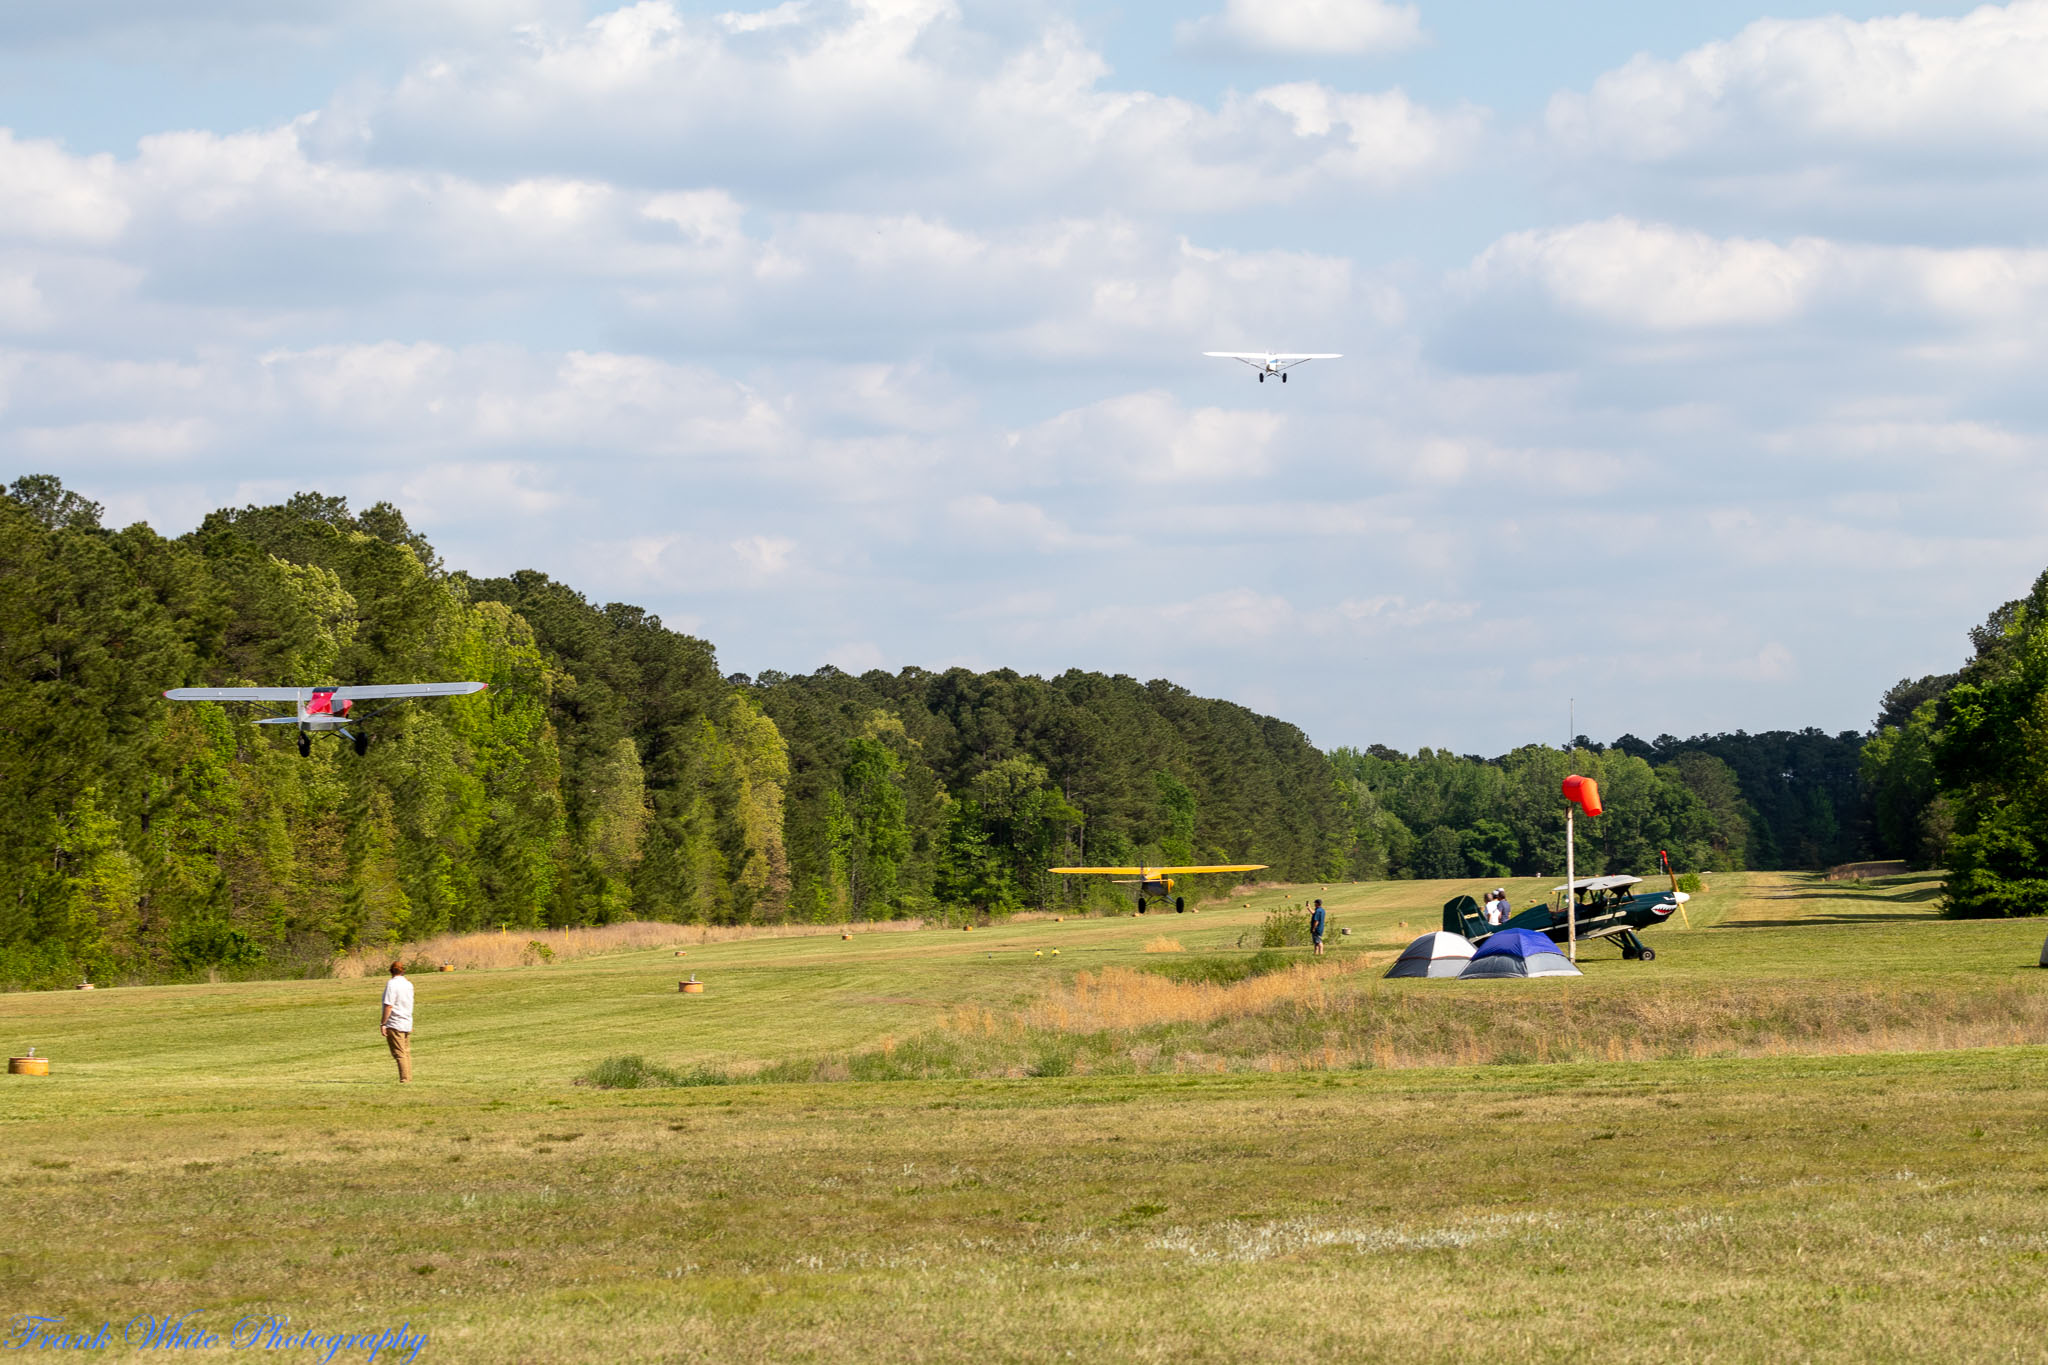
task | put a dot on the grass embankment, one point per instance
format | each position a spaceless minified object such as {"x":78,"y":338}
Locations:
{"x":1863,"y":968}
{"x":214,"y":1151}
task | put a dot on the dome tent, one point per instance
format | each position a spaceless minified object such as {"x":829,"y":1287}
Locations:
{"x":1434,"y":954}
{"x":1517,"y":952}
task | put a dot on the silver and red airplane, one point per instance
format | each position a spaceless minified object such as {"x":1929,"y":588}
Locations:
{"x":316,"y":710}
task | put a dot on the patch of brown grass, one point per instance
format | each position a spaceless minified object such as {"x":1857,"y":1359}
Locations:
{"x":1120,"y":998}
{"x":513,"y":947}
{"x":1163,"y":944}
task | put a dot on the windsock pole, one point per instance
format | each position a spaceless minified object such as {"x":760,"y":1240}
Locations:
{"x":1571,"y":917}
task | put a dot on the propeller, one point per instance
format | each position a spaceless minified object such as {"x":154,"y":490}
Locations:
{"x":1676,"y":894}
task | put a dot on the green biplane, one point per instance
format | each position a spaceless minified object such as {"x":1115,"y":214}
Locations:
{"x":1601,"y":907}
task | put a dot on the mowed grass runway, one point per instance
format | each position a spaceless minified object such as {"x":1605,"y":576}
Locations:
{"x":1785,"y":1185}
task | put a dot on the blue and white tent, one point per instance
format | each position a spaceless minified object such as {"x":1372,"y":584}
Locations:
{"x":1517,"y":952}
{"x":1438,"y":954}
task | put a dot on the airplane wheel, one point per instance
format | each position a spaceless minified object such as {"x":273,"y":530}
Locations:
{"x":362,"y":745}
{"x":1647,"y":955}
{"x":1180,"y":905}
{"x":305,"y":747}
{"x":1141,"y":905}
{"x":1262,"y":379}
{"x":1283,"y":379}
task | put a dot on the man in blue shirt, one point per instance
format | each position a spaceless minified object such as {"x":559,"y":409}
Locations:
{"x":1316,"y":920}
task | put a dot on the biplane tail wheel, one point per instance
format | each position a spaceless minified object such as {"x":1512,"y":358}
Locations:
{"x":1141,"y":905}
{"x":362,"y":744}
{"x":1180,"y":905}
{"x":305,"y":746}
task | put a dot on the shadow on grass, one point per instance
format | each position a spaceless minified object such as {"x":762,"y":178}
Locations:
{"x":1898,"y":896}
{"x":1827,"y":921}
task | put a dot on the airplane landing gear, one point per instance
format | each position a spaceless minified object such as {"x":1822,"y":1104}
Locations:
{"x":305,"y":745}
{"x":1283,"y":376}
{"x":1633,"y":948}
{"x":362,"y":743}
{"x":1141,"y":905}
{"x":1180,"y":905}
{"x":1262,"y":379}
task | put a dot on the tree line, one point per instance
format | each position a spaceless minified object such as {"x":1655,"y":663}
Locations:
{"x":1958,"y":766}
{"x":1782,"y":799}
{"x":613,"y":772}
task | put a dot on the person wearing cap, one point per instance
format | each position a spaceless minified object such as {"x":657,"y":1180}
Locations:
{"x":396,"y":1021}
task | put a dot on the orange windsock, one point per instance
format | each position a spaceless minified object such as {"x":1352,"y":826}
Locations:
{"x":1584,"y":791}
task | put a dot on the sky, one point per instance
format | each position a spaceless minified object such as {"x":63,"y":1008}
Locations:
{"x":1692,"y":355}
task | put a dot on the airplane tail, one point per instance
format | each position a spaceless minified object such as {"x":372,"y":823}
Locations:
{"x":1462,"y":917}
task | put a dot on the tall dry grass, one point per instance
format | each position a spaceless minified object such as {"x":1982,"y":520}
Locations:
{"x":514,"y":947}
{"x":1324,"y":1016}
{"x":1120,"y":998}
{"x":1163,"y":944}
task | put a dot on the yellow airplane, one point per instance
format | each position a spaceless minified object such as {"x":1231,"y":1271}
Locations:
{"x":1156,"y":881}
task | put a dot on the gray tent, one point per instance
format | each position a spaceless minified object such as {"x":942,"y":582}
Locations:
{"x":1435,"y":954}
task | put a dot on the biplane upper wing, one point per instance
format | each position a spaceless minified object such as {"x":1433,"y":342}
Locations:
{"x":1151,"y":871}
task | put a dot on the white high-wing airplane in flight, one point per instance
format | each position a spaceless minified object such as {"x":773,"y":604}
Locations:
{"x":316,"y":709}
{"x":1273,"y":362}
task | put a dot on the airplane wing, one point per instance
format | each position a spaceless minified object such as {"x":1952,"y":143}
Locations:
{"x":1310,"y":355}
{"x":1156,"y":871}
{"x":370,"y":692}
{"x":388,"y":691}
{"x":235,"y":693}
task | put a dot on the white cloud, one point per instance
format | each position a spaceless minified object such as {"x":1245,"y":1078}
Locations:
{"x":1662,"y":278}
{"x":1233,"y":616}
{"x":1146,"y":438}
{"x":1394,"y":611}
{"x":1650,"y":275}
{"x":869,"y":100}
{"x":753,"y":21}
{"x":21,"y":302}
{"x":855,"y":656}
{"x":992,"y":524}
{"x":47,"y":194}
{"x":1884,"y":88}
{"x":1305,"y":28}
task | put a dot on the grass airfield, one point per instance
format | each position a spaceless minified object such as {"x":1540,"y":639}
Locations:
{"x":1825,"y":1138}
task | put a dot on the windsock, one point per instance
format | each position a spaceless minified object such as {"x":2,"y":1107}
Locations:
{"x":1584,"y":791}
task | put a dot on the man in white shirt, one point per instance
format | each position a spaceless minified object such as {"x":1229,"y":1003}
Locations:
{"x":397,"y":1021}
